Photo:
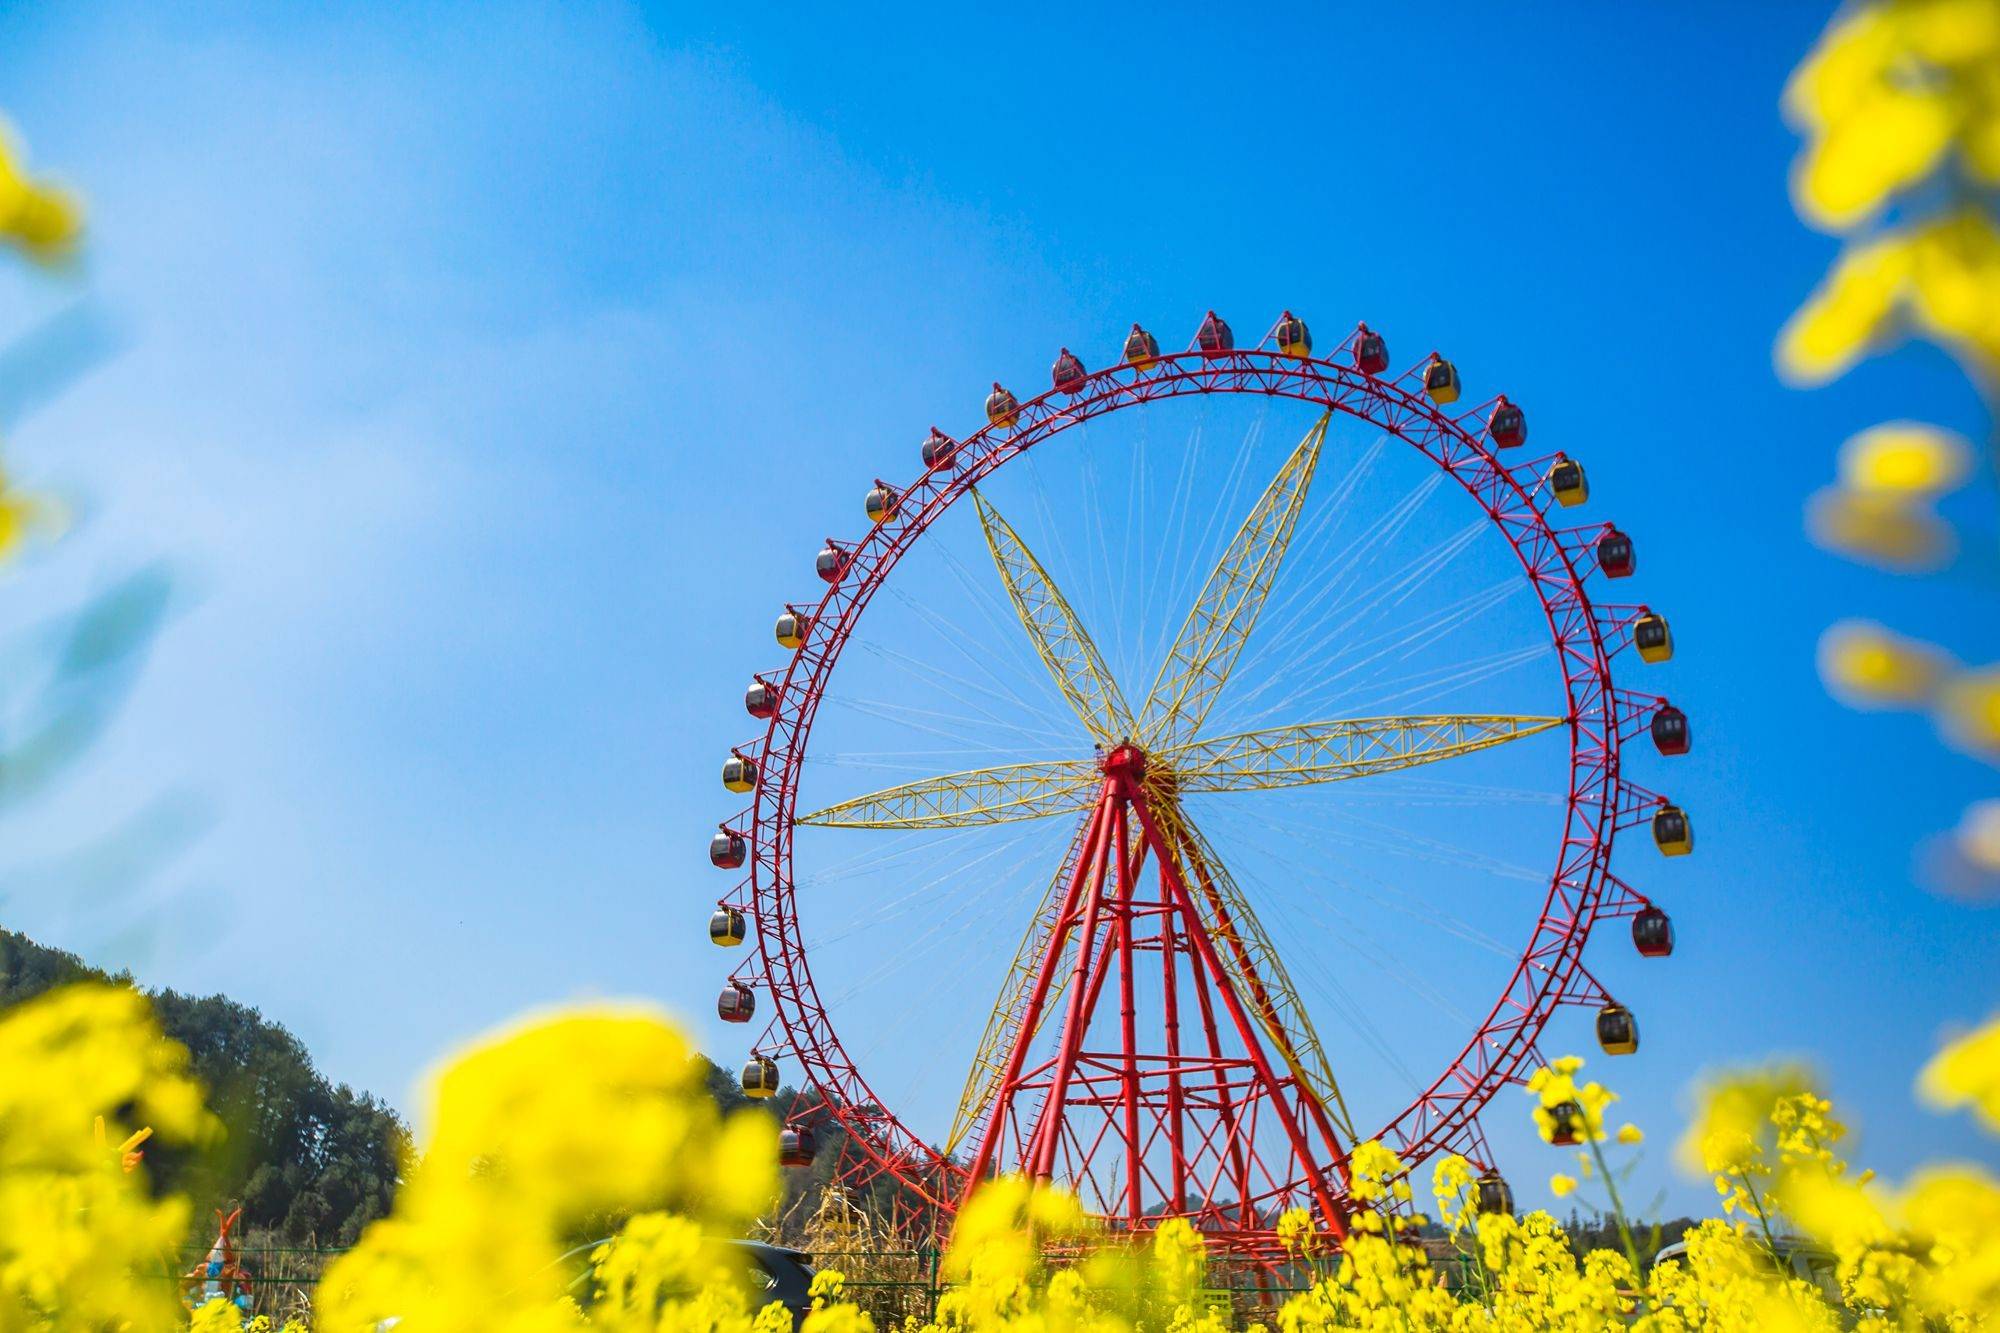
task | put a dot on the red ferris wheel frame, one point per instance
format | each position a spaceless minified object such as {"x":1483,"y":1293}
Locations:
{"x":1599,"y":717}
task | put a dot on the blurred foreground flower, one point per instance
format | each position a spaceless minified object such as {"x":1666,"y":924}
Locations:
{"x":537,"y":1136}
{"x":1904,"y":458}
{"x":1968,"y":711}
{"x":1967,"y":1073}
{"x":1899,"y":107}
{"x":75,"y":1225}
{"x":40,"y":217}
{"x":1890,"y":531}
{"x":1886,"y":94}
{"x":1880,"y":509}
{"x":1868,"y":666}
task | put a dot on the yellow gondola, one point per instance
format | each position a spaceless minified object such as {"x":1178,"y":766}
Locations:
{"x":1617,"y":1030}
{"x":725,"y":928}
{"x":1294,"y":338}
{"x":1441,"y":380}
{"x":1652,"y":637}
{"x":791,"y":629}
{"x":1142,"y":349}
{"x":760,"y":1077}
{"x":1673,"y":831}
{"x":1002,"y":408}
{"x":880,"y":504}
{"x":1568,"y":483}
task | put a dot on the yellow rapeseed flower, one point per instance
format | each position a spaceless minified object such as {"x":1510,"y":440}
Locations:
{"x":1732,"y":1126}
{"x":1890,"y":87}
{"x":1968,"y":711}
{"x":1941,"y":277}
{"x":1372,"y":1168}
{"x":1955,"y":285}
{"x":80,"y":1237}
{"x":1562,"y":1186}
{"x":1558,"y":1096}
{"x":1629,"y":1133}
{"x":1866,"y":665}
{"x":1905,"y":458}
{"x":1455,"y":1187}
{"x":535,"y":1135}
{"x":1849,"y":313}
{"x":1848,"y":172}
{"x":1297,"y":1232}
{"x":40,"y":217}
{"x":1967,"y":1073}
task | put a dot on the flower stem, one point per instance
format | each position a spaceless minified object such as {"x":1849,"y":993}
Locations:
{"x":1617,"y":1207}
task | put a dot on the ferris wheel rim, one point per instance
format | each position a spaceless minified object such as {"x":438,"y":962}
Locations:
{"x":1584,"y":633}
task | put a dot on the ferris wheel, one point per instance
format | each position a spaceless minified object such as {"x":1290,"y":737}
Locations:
{"x":1156,"y":1042}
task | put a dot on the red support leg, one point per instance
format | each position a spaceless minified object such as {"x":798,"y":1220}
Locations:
{"x":996,"y":1125}
{"x":1128,"y":1014}
{"x":1231,"y":1119}
{"x":1041,"y":1160}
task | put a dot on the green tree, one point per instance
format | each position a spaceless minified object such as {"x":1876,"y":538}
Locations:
{"x":308,"y":1160}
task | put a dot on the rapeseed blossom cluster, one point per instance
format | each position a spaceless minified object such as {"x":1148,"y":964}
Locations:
{"x":594,"y":1120}
{"x":538,"y":1140}
{"x":76,"y":1227}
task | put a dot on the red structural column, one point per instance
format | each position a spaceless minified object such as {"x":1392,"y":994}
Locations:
{"x":1048,"y":1131}
{"x":996,"y":1125}
{"x":1170,"y":1005}
{"x":1128,"y":1014}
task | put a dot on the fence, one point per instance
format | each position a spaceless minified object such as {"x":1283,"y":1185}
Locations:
{"x":891,"y":1285}
{"x":282,"y":1277}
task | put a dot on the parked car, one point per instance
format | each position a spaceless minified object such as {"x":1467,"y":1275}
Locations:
{"x":1801,"y":1258}
{"x":786,"y":1276}
{"x":769,"y":1272}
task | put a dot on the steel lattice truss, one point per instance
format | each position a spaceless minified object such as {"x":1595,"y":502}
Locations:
{"x":1191,"y":1127}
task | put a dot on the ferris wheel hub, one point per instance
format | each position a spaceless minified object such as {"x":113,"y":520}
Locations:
{"x":1123,"y":761}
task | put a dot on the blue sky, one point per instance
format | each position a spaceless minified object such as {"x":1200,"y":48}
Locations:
{"x":487,"y":379}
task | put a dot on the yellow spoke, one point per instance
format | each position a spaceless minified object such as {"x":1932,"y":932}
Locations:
{"x":1212,"y":639}
{"x":1058,"y":636}
{"x":980,"y":796}
{"x":1332,"y":751}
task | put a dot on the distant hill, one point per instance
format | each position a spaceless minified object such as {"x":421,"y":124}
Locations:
{"x":308,"y":1160}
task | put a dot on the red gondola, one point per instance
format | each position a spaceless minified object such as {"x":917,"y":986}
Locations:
{"x":1615,"y":555}
{"x":1507,"y":427}
{"x":1371,"y":350}
{"x":1653,"y":933}
{"x":1671,"y":733}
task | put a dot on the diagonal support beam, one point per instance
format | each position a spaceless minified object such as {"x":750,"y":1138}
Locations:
{"x":1255,"y":968}
{"x":1314,"y":752}
{"x":1058,"y":636}
{"x":1000,"y":795}
{"x":1003,"y":1026}
{"x":1206,"y":649}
